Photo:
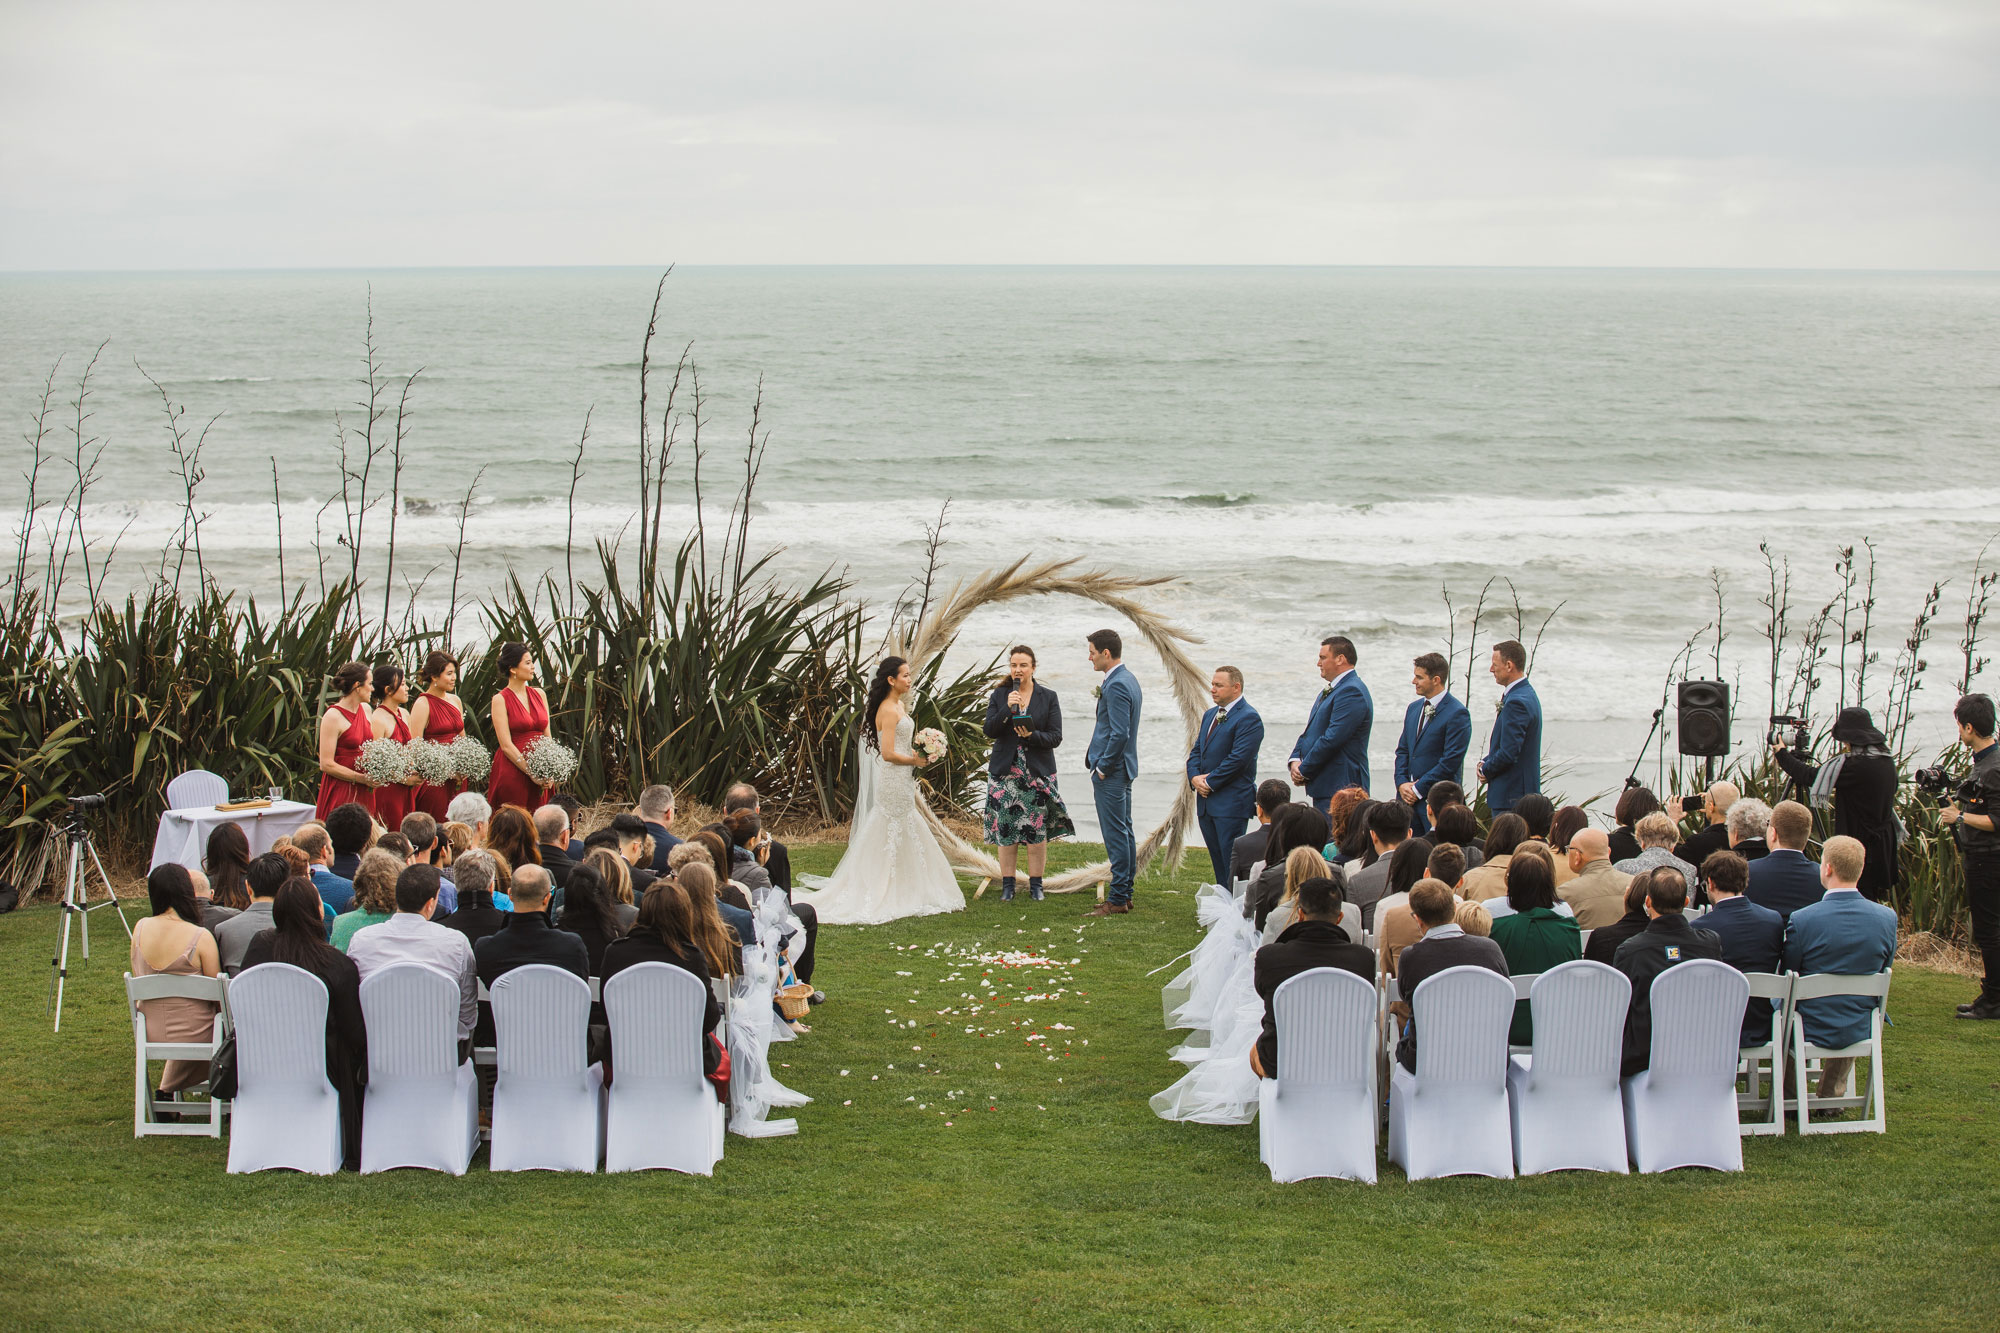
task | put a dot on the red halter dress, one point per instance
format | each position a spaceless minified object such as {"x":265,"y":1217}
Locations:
{"x":394,"y":800}
{"x":335,"y":792}
{"x":443,"y":724}
{"x":509,"y":785}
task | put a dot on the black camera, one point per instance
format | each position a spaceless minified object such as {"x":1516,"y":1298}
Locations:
{"x":1801,"y":737}
{"x":95,"y":801}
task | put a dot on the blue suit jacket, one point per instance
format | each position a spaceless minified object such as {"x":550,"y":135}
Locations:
{"x":1333,"y":749}
{"x":1513,"y":763}
{"x":1842,"y":933}
{"x":1753,"y":940}
{"x":1436,"y":756}
{"x":1228,"y":755}
{"x":1114,"y":745}
{"x":1784,"y":881}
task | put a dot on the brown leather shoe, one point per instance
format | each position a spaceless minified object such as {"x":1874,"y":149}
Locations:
{"x":1109,"y":909}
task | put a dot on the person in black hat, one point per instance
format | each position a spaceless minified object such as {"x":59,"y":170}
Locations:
{"x":1860,"y":784}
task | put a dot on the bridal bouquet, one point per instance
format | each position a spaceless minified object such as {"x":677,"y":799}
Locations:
{"x":548,"y":762}
{"x":433,"y":763}
{"x":930,"y":743}
{"x":470,"y":760}
{"x":386,"y":762}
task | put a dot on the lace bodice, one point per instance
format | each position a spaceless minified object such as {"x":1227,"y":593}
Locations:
{"x":896,"y":785}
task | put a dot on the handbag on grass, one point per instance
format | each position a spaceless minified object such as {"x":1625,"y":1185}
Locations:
{"x":222,"y":1071}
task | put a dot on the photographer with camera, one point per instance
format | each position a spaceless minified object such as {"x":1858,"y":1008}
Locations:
{"x":1860,"y":785}
{"x":1974,"y":829}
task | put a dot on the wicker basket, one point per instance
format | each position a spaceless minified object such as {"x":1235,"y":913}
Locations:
{"x":795,"y":1000}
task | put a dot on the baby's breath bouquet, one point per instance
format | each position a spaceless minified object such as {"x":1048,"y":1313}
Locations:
{"x":549,"y":763}
{"x":386,"y":762}
{"x":473,"y":762}
{"x":432,"y":762}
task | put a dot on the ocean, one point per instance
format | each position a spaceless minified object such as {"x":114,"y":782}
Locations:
{"x":1303,"y":451}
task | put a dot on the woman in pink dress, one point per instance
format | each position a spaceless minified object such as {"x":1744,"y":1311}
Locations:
{"x":439,"y":717}
{"x":520,"y":718}
{"x":392,"y":690}
{"x":343,"y":730}
{"x":171,"y":942}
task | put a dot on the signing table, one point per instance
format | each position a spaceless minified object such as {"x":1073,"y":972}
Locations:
{"x":183,"y":835}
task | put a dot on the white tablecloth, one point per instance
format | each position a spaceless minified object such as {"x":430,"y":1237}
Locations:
{"x":183,"y":835}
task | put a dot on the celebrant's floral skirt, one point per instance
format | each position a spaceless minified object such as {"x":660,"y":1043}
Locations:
{"x":1023,"y":808}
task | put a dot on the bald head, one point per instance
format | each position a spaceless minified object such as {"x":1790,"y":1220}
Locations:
{"x":1591,"y":844}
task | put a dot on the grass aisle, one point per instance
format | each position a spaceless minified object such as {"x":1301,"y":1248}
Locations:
{"x":979,"y":1183}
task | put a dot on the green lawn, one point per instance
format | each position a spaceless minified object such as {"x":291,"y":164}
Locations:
{"x":1045,"y":1195}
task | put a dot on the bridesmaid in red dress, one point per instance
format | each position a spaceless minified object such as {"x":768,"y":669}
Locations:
{"x":342,"y":732}
{"x":437,"y":715}
{"x":520,"y":718}
{"x":392,"y":691}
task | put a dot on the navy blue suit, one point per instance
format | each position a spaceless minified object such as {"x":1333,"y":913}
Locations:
{"x":1846,"y":935}
{"x":1753,"y":940}
{"x":1333,"y":749}
{"x":1784,"y":881}
{"x":1513,"y":764}
{"x":1437,"y":755}
{"x":1114,"y":753}
{"x":1226,"y":753}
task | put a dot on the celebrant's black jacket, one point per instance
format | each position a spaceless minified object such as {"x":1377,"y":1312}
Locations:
{"x":1038,"y":751}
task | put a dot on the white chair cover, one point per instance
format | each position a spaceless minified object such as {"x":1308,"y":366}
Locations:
{"x":548,"y":1106}
{"x":662,"y":1112}
{"x":422,"y":1106}
{"x":1450,"y":1117}
{"x":1681,"y":1111}
{"x":286,"y":1113}
{"x":196,"y":787}
{"x":1319,"y":1114}
{"x":1563,"y":1098}
{"x":161,"y":986}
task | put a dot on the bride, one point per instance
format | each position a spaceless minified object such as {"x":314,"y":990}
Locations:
{"x":893,"y":867}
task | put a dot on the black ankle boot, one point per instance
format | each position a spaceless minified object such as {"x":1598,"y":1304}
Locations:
{"x":1035,"y":888}
{"x":1007,"y":889}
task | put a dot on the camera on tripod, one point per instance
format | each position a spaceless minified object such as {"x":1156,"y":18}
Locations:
{"x":1801,"y":737}
{"x":94,"y":801}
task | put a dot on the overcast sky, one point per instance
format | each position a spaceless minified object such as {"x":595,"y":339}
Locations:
{"x":1799,"y":133}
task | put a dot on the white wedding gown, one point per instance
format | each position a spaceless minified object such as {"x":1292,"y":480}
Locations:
{"x":893,"y":867}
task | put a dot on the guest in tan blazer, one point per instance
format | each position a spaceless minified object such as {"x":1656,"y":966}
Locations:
{"x":1396,"y":926}
{"x":1597,"y":892}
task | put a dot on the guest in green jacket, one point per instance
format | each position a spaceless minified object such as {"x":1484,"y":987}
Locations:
{"x":374,"y":895}
{"x":1534,"y":936}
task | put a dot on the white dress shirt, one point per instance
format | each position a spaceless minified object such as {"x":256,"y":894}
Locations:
{"x":407,"y":938}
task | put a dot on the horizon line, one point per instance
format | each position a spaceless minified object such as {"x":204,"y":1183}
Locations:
{"x":197,"y":270}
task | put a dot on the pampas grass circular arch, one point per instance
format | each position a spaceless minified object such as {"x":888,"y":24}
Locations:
{"x":935,"y":633}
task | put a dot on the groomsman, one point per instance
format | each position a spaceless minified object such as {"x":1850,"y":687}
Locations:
{"x":1332,"y":752}
{"x":1113,"y":761}
{"x":1437,"y":731}
{"x":1512,"y":767}
{"x":1222,"y":767}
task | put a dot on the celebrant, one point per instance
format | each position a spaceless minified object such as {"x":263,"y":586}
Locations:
{"x":1023,"y":807}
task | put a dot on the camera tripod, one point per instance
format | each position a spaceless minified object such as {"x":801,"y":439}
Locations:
{"x":76,"y":906}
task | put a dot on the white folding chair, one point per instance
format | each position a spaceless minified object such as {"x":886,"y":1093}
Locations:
{"x":1818,"y":987}
{"x":286,"y":1115}
{"x":662,"y":1113}
{"x":548,"y":1106}
{"x":1762,"y":1068}
{"x":196,"y":787}
{"x":145,"y":1110}
{"x":422,"y":1105}
{"x":1681,"y":1110}
{"x":1563,"y":1097}
{"x":1450,"y":1117}
{"x":1317,"y":1117}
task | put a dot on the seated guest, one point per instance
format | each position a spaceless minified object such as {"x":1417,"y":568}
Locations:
{"x":1489,"y":879}
{"x":1456,"y":825}
{"x":1845,"y":934}
{"x":349,"y":828}
{"x":1346,"y":818}
{"x":1667,"y":941}
{"x":635,"y":847}
{"x":1748,"y":820}
{"x":572,"y":811}
{"x":665,"y":933}
{"x":1714,"y":833}
{"x":717,"y":847}
{"x":1314,"y":939}
{"x":1602,"y":946}
{"x":336,"y":891}
{"x":740,"y":832}
{"x":1388,"y":828}
{"x":739,"y":922}
{"x":552,"y":842}
{"x":397,"y":846}
{"x":1396,"y":928}
{"x":470,"y":809}
{"x":1753,"y":937}
{"x":294,"y":938}
{"x":479,"y":913}
{"x":1354,"y":847}
{"x":510,"y":835}
{"x":1441,"y":795}
{"x":1533,"y":849}
{"x":1533,"y":937}
{"x":1634,"y":804}
{"x":171,"y":942}
{"x":528,"y":937}
{"x":374,"y":896}
{"x":1785,"y":879}
{"x":1566,"y":824}
{"x":204,"y":898}
{"x":1596,"y":892}
{"x":775,"y":857}
{"x":1538,"y":812}
{"x":715,"y":924}
{"x":428,"y":847}
{"x":1445,"y":944}
{"x":656,"y":807}
{"x":1474,"y":918}
{"x":228,"y":866}
{"x":615,"y":873}
{"x":455,"y":840}
{"x":412,"y":936}
{"x":233,"y":937}
{"x":1248,"y":850}
{"x":589,"y":914}
{"x":1296,"y":825}
{"x":1657,"y":836}
{"x":744,"y":819}
{"x":1302,"y":864}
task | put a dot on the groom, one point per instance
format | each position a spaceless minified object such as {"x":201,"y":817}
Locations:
{"x":1113,"y":760}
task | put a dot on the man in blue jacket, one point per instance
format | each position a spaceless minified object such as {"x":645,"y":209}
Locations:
{"x":1113,"y":761}
{"x":1332,"y":752}
{"x":1785,"y":879}
{"x":1846,"y":935}
{"x":1512,"y":767}
{"x":1437,"y":730}
{"x":1753,"y":937}
{"x":1222,"y":767}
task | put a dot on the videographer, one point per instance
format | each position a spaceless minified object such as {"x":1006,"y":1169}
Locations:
{"x":1974,"y":829}
{"x":1860,"y":785}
